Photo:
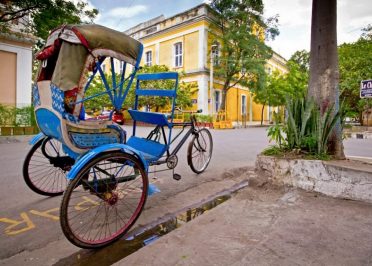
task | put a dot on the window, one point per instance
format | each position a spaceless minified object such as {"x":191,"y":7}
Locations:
{"x":217,"y":100}
{"x":103,"y":66}
{"x":178,"y":54}
{"x":269,"y":71}
{"x":216,"y":54}
{"x":151,"y":30}
{"x":148,"y":58}
{"x":244,"y":105}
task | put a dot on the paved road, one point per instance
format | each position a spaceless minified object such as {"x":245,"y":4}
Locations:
{"x":29,"y":221}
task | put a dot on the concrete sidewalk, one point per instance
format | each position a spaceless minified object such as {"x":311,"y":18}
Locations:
{"x":268,"y":226}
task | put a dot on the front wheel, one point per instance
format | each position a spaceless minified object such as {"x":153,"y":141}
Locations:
{"x":104,"y":200}
{"x":199,"y":152}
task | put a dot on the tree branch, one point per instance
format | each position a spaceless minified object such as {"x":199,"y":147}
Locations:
{"x":239,"y":79}
{"x":17,"y":14}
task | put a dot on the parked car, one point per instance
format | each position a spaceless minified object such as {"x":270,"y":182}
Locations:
{"x":117,"y":117}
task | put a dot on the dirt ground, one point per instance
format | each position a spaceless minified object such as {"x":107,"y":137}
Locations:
{"x":259,"y":225}
{"x":268,"y":226}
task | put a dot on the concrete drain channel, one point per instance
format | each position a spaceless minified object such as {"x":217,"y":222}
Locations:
{"x":147,"y":234}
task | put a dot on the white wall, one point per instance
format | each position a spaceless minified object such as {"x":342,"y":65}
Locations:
{"x":24,"y":72}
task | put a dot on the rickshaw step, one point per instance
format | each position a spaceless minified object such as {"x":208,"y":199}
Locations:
{"x":177,"y":177}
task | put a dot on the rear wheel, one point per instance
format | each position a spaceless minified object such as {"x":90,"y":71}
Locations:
{"x":104,"y":200}
{"x":199,"y":152}
{"x":45,"y":167}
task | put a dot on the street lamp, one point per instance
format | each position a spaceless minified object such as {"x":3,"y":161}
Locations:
{"x":213,"y":46}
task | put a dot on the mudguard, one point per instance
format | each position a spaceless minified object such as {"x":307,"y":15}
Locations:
{"x":84,"y":159}
{"x":36,"y":138}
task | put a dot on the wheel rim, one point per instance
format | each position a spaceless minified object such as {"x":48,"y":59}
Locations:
{"x":109,"y":200}
{"x":43,"y":175}
{"x":201,"y":151}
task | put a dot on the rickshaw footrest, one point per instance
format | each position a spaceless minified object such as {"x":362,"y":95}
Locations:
{"x":177,"y":177}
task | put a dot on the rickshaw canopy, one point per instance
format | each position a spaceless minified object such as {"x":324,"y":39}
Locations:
{"x":100,"y":41}
{"x":76,"y":47}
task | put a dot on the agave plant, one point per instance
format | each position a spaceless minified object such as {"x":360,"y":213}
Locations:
{"x":306,"y":128}
{"x":299,"y":112}
{"x":325,"y":125}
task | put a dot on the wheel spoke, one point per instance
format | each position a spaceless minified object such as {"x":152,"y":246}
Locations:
{"x":120,"y":198}
{"x":40,"y":174}
{"x":200,"y":151}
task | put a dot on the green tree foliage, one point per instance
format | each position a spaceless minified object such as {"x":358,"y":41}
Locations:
{"x":183,"y":99}
{"x":44,"y":15}
{"x":355,"y":65}
{"x":301,"y":58}
{"x":154,"y":103}
{"x":240,"y":28}
{"x":281,"y":86}
{"x":96,"y":87}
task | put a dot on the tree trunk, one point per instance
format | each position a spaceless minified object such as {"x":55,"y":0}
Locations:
{"x":361,"y":118}
{"x":324,"y":74}
{"x":262,"y":113}
{"x":224,"y":95}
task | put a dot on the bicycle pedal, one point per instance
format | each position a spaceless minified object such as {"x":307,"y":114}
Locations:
{"x":176,"y":177}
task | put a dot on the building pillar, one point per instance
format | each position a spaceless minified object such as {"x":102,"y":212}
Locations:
{"x":203,"y":44}
{"x":157,"y":49}
{"x":203,"y":94}
{"x":250,"y":107}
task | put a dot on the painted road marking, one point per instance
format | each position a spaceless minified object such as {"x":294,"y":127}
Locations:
{"x":86,"y":200}
{"x":47,"y":214}
{"x":14,"y":227}
{"x":14,"y":223}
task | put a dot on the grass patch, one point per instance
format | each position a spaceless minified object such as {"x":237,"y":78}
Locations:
{"x":273,"y":151}
{"x":285,"y":153}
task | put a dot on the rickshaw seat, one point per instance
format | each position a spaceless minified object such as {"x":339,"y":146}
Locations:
{"x":159,"y":119}
{"x":150,"y":150}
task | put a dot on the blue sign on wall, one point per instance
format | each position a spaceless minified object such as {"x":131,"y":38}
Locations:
{"x":366,"y":88}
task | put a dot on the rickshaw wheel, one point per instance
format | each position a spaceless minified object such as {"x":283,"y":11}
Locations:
{"x":41,"y":174}
{"x":199,"y":152}
{"x":104,"y":200}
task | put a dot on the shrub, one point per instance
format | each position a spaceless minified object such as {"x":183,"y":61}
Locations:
{"x":12,"y":116}
{"x":305,"y":129}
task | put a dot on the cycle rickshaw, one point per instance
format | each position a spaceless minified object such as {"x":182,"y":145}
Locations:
{"x":102,"y":175}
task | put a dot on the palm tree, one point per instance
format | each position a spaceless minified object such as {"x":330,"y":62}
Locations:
{"x":324,"y":73}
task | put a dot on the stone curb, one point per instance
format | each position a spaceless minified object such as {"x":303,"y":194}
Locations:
{"x":340,"y":179}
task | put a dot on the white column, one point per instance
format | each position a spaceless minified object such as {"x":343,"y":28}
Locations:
{"x":157,"y":50}
{"x":251,"y":107}
{"x":211,"y":81}
{"x":203,"y":41}
{"x":203,"y":93}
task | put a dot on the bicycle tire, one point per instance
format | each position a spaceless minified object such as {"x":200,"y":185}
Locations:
{"x":40,"y":175}
{"x":199,"y":152}
{"x":81,"y":205}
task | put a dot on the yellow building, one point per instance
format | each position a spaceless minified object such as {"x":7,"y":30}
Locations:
{"x":181,"y":43}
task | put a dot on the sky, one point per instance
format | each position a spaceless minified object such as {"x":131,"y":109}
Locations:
{"x":294,"y":18}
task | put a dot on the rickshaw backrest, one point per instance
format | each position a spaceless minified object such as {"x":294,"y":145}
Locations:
{"x":150,"y":149}
{"x":71,"y":52}
{"x":151,"y":117}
